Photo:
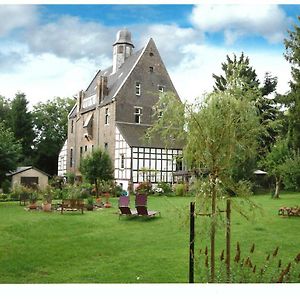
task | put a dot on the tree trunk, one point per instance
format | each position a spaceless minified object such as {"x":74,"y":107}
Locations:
{"x":97,"y":188}
{"x":277,"y":186}
{"x":213,"y":228}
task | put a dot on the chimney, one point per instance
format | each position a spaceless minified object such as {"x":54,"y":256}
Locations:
{"x":102,"y":89}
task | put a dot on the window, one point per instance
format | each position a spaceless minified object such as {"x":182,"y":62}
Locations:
{"x":106,"y":116}
{"x":137,"y":114}
{"x":138,"y":88}
{"x":151,"y":54}
{"x":71,"y":158}
{"x":81,"y":151}
{"x":85,"y":148}
{"x":122,"y":161}
{"x":92,"y":148}
{"x":161,"y":88}
{"x":105,"y":146}
{"x":72,"y":126}
{"x":151,"y":69}
{"x":120,"y":49}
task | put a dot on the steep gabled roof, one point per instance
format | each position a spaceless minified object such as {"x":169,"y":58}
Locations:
{"x":115,"y":80}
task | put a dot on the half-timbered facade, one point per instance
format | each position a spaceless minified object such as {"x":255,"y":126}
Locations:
{"x":115,"y":111}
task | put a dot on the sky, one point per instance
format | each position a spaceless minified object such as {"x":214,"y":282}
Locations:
{"x":55,"y":50}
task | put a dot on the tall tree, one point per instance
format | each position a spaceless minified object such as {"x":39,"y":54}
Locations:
{"x":218,"y":132}
{"x":97,"y":167}
{"x":50,"y":125}
{"x":292,"y":101}
{"x":4,"y":109}
{"x":240,"y":79}
{"x":21,"y":125}
{"x":10,"y":151}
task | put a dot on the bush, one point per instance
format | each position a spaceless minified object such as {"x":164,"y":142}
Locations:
{"x":180,"y":189}
{"x":166,"y":187}
{"x":5,"y":186}
{"x":70,"y":177}
{"x":144,"y":188}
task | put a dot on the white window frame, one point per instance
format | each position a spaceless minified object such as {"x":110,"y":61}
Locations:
{"x":161,"y":88}
{"x":138,"y":88}
{"x":138,"y":113}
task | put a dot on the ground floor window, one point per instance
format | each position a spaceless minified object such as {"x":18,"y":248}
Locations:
{"x":30,"y":181}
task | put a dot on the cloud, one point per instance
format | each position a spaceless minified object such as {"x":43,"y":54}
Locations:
{"x":46,"y":76}
{"x":170,"y":39}
{"x":192,"y":76}
{"x":16,"y":17}
{"x":268,"y":21}
{"x":71,"y":38}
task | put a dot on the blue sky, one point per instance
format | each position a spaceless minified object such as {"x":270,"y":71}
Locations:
{"x":55,"y":50}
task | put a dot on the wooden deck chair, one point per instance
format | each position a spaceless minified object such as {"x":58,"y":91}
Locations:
{"x":124,"y":207}
{"x":141,"y":206}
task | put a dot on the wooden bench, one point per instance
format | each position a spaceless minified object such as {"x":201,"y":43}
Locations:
{"x":72,"y":205}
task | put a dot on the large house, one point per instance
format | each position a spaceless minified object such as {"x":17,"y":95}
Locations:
{"x":115,"y":111}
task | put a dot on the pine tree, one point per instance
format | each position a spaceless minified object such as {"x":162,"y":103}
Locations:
{"x":22,"y":126}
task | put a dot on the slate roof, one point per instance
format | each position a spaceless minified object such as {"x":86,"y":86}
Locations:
{"x":114,"y":81}
{"x":134,"y":133}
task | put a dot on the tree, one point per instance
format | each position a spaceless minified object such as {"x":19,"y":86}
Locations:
{"x":97,"y":167}
{"x":239,"y":77}
{"x":4,"y":109}
{"x":274,"y":162}
{"x":50,"y":125}
{"x":20,"y":122}
{"x":291,"y":171}
{"x":10,"y":151}
{"x":292,"y":101}
{"x":218,"y":133}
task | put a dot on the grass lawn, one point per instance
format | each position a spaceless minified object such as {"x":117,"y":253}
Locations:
{"x":97,"y":247}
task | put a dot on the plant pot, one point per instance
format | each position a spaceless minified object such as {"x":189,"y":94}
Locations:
{"x":32,"y":206}
{"x":90,"y":207}
{"x":47,"y":207}
{"x":107,"y":204}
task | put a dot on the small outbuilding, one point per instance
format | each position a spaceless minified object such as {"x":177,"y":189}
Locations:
{"x":29,"y":176}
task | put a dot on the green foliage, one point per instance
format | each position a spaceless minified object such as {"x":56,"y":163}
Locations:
{"x":144,"y":188}
{"x":97,"y":167}
{"x":21,"y":124}
{"x":6,"y":184}
{"x":165,"y":187}
{"x":50,"y":126}
{"x":238,"y":74}
{"x":180,"y":189}
{"x":10,"y":151}
{"x":292,"y":101}
{"x":4,"y":109}
{"x":70,"y":177}
{"x":291,"y":171}
{"x":276,"y":158}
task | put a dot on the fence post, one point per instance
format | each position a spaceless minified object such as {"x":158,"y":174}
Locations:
{"x":192,"y":241}
{"x":228,"y":212}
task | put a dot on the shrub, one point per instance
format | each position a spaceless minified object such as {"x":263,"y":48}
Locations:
{"x":180,"y":189}
{"x":144,"y":188}
{"x":70,"y":177}
{"x":166,"y":187}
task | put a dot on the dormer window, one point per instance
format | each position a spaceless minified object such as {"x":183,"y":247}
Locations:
{"x":138,"y":88}
{"x":138,"y":111}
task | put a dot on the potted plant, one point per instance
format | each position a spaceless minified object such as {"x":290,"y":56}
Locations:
{"x":106,"y":193}
{"x":90,"y":204}
{"x":47,"y":199}
{"x":33,"y":199}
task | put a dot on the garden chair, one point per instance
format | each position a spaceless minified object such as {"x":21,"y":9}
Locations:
{"x":141,"y":200}
{"x":124,"y":207}
{"x":141,"y":206}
